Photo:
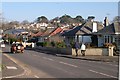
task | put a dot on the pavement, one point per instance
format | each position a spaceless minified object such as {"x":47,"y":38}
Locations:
{"x":90,"y":58}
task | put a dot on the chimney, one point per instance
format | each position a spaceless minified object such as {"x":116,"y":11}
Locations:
{"x":94,"y":27}
{"x":106,"y":22}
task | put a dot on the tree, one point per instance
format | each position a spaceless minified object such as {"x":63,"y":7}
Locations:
{"x":66,"y":19}
{"x":79,"y":19}
{"x":91,"y":17}
{"x":116,"y":19}
{"x":42,"y":19}
{"x":25,"y":22}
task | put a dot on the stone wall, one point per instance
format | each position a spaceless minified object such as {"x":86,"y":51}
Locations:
{"x":71,"y":51}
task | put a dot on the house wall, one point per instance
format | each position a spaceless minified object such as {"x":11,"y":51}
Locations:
{"x":40,"y":39}
{"x":100,"y":41}
{"x":56,"y":38}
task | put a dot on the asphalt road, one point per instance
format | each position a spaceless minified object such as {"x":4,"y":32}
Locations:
{"x":43,"y":65}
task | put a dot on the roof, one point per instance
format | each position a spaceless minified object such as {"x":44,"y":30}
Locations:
{"x":38,"y":34}
{"x":15,"y":31}
{"x":56,"y":31}
{"x":47,"y":32}
{"x":113,"y":28}
{"x":84,"y":29}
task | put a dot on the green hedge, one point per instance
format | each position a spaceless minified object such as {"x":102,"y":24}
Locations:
{"x":51,"y":44}
{"x":41,"y":44}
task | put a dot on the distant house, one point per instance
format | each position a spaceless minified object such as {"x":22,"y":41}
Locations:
{"x":45,"y":35}
{"x":109,"y":34}
{"x":83,"y":33}
{"x":55,"y":35}
{"x":51,"y":34}
{"x":18,"y":33}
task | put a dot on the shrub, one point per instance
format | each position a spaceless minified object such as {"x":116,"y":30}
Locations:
{"x":43,"y":44}
{"x":12,"y":40}
{"x":53,"y":44}
{"x":60,"y":45}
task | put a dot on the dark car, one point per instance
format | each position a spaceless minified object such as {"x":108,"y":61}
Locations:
{"x":17,"y":47}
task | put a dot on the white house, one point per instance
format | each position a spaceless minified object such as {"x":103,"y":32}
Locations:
{"x":109,"y":34}
{"x":83,"y":33}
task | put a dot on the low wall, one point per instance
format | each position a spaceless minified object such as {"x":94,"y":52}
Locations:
{"x":71,"y":51}
{"x":93,"y":51}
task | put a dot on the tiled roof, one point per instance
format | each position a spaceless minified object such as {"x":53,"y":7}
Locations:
{"x":39,"y":33}
{"x":56,"y":31}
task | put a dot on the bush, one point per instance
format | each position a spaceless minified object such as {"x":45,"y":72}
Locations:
{"x":60,"y":45}
{"x":43,"y":44}
{"x":53,"y":44}
{"x":12,"y":40}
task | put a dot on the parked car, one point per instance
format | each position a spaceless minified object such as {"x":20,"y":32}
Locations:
{"x":17,"y":47}
{"x":2,"y":44}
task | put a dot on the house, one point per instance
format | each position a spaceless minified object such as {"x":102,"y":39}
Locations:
{"x":19,"y":33}
{"x":109,"y":34}
{"x":83,"y":33}
{"x":45,"y":35}
{"x":55,"y":35}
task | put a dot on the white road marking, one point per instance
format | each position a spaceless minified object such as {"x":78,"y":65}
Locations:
{"x":34,"y":55}
{"x":102,"y":74}
{"x":26,"y":70}
{"x":108,"y":63}
{"x":48,"y":58}
{"x":36,"y":76}
{"x":114,"y":65}
{"x":11,"y":67}
{"x":68,"y":64}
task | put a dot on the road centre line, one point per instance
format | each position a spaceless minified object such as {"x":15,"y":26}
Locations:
{"x":48,"y":58}
{"x":68,"y":64}
{"x":36,"y":76}
{"x":108,"y":63}
{"x":11,"y":67}
{"x":102,"y":74}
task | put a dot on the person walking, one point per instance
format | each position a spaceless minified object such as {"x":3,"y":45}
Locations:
{"x":77,"y":46}
{"x":83,"y":49}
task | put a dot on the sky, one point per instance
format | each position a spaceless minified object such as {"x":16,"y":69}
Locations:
{"x":31,"y":10}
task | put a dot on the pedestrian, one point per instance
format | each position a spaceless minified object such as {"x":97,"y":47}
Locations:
{"x":77,"y":46}
{"x":83,"y":49}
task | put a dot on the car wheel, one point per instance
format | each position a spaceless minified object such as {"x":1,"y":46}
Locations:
{"x":22,"y":51}
{"x":14,"y":52}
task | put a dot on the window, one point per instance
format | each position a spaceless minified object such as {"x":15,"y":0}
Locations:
{"x":108,"y":39}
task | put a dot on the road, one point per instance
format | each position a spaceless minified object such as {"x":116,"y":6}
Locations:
{"x":43,"y":65}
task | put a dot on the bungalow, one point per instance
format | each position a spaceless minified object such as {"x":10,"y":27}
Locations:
{"x":83,"y":33}
{"x":109,"y":34}
{"x":20,"y":33}
{"x":55,"y":35}
{"x":45,"y":35}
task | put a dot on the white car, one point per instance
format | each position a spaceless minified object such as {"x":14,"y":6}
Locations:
{"x":2,"y":45}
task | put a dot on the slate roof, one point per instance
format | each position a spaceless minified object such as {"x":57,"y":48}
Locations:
{"x":84,"y":29}
{"x":14,"y":31}
{"x":113,"y":28}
